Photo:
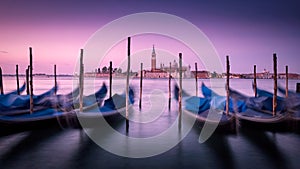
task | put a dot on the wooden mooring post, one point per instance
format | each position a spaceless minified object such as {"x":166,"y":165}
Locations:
{"x":27,"y":80}
{"x":180,"y":92}
{"x":255,"y":83}
{"x":55,"y":80}
{"x":286,"y":81}
{"x":196,"y":78}
{"x":110,"y":79}
{"x":170,"y":78}
{"x":275,"y":84}
{"x":81,"y":77}
{"x":141,"y":87}
{"x":17,"y":78}
{"x":127,"y":85}
{"x":227,"y":84}
{"x":1,"y":82}
{"x":31,"y":79}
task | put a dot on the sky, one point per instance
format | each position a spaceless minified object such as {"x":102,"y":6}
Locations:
{"x":248,"y":31}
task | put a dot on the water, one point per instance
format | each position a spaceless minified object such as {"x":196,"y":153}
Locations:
{"x":72,"y":148}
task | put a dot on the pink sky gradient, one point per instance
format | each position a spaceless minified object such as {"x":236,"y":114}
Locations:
{"x":248,"y":32}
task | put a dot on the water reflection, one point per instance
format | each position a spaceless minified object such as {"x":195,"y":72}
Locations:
{"x":266,"y":146}
{"x":55,"y":148}
{"x":24,"y":149}
{"x":218,"y":143}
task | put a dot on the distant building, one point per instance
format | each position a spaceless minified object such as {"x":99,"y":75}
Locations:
{"x":266,"y":74}
{"x":153,"y":60}
{"x":201,"y":74}
{"x":164,"y":71}
{"x":290,"y":76}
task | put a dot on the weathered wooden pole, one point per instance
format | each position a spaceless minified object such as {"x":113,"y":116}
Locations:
{"x":17,"y":76}
{"x":31,"y":79}
{"x":1,"y":82}
{"x":275,"y":84}
{"x":81,"y":76}
{"x":255,"y":83}
{"x":170,"y":78}
{"x":141,"y":86}
{"x":110,"y":79}
{"x":286,"y":81}
{"x":227,"y":84}
{"x":27,"y":80}
{"x":55,"y":80}
{"x":127,"y":86}
{"x":55,"y":85}
{"x":180,"y":91}
{"x":196,"y":78}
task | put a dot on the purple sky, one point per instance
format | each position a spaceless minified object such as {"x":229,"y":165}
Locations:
{"x":249,"y":32}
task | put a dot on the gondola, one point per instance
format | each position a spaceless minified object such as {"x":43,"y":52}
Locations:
{"x":49,"y":115}
{"x":45,"y":118}
{"x":258,"y":112}
{"x":209,"y":109}
{"x":292,"y":108}
{"x":71,"y":101}
{"x":15,"y":92}
{"x":20,"y":104}
{"x":12,"y":104}
{"x":112,"y":110}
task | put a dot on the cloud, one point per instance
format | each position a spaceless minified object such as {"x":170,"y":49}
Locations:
{"x":2,"y":51}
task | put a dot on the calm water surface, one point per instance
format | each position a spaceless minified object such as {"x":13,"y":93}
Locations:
{"x":72,"y":148}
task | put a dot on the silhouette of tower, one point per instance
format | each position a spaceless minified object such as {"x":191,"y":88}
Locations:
{"x":153,"y":60}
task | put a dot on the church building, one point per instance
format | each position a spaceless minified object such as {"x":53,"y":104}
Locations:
{"x":164,"y":71}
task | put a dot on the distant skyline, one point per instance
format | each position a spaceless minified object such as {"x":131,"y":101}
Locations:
{"x":249,"y":32}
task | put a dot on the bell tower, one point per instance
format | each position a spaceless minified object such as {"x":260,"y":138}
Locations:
{"x":153,"y":60}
